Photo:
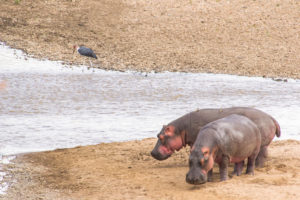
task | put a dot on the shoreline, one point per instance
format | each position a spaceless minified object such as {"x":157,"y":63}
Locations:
{"x":69,"y":64}
{"x":82,"y":62}
{"x":97,"y":171}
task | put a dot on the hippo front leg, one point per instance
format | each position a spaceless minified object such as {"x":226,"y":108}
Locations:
{"x":209,"y":175}
{"x":223,"y":166}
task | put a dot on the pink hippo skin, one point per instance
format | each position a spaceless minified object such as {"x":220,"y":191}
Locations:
{"x":230,"y":139}
{"x":184,"y":130}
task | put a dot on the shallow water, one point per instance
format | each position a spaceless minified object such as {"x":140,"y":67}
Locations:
{"x":45,"y":105}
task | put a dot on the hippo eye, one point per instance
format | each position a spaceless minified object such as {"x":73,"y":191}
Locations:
{"x":162,"y":138}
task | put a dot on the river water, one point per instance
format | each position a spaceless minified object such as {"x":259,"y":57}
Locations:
{"x":45,"y":105}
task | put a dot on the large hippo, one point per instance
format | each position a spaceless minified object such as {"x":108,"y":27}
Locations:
{"x":230,"y":139}
{"x":184,"y":130}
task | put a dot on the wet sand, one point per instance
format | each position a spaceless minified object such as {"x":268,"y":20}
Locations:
{"x":127,"y":171}
{"x":250,"y":38}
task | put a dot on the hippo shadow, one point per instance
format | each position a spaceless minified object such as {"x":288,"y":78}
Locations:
{"x":171,"y":165}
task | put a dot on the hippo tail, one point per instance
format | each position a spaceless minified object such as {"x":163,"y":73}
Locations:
{"x":278,"y":131}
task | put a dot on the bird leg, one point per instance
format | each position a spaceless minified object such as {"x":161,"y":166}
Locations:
{"x":90,"y":64}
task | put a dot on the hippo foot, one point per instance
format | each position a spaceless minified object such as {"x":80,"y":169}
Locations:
{"x":259,"y":163}
{"x":224,"y":178}
{"x":250,"y":168}
{"x":235,"y":173}
{"x":250,"y":172}
{"x":238,"y":169}
{"x":209,"y":176}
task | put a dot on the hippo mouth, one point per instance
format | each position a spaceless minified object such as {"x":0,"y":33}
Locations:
{"x":161,"y":152}
{"x":166,"y":150}
{"x":194,"y":180}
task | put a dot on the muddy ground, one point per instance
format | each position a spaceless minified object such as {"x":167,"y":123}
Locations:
{"x":255,"y":38}
{"x":127,"y":171}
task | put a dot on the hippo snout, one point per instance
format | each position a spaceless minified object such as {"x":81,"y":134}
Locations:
{"x":158,"y":156}
{"x":196,"y":180}
{"x":160,"y":152}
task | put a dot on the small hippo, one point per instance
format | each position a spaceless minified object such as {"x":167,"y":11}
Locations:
{"x":184,"y":130}
{"x":230,"y":139}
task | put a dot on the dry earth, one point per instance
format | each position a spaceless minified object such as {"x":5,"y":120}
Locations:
{"x":127,"y":171}
{"x":245,"y":37}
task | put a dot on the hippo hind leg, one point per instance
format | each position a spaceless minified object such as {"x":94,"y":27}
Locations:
{"x":261,"y":157}
{"x":238,"y":168}
{"x":250,"y":165}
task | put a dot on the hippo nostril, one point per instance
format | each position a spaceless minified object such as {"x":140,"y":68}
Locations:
{"x":189,"y":179}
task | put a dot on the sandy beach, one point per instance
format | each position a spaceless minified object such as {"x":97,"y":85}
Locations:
{"x":127,"y":171}
{"x":252,"y":38}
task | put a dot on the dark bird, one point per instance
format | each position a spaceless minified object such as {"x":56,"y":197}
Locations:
{"x":84,"y":51}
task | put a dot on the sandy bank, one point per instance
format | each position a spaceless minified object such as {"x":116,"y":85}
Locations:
{"x":258,"y":38}
{"x":127,"y":171}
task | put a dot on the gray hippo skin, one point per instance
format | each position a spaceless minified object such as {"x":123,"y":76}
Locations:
{"x":184,"y":130}
{"x":230,"y":139}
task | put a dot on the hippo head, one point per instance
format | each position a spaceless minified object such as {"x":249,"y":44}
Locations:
{"x":200,"y":162}
{"x":169,"y":140}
